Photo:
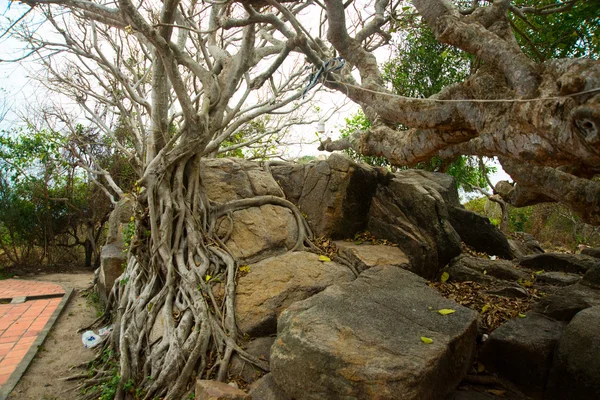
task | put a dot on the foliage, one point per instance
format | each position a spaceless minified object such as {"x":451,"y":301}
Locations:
{"x":252,"y":141}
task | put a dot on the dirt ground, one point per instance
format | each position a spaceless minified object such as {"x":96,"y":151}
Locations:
{"x":63,"y":348}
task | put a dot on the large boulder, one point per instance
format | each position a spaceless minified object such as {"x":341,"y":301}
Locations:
{"x":335,"y":193}
{"x":575,"y":373}
{"x":573,"y":263}
{"x":362,"y":340}
{"x":469,"y":268}
{"x":478,"y":232}
{"x":413,"y":214}
{"x":558,"y":278}
{"x":523,"y":244}
{"x":266,"y":389}
{"x":274,"y":284}
{"x":591,"y":251}
{"x":112,"y":264}
{"x":566,"y":302}
{"x":257,"y":232}
{"x":213,"y":390}
{"x":364,"y":256}
{"x":521,"y":351}
{"x":259,"y":348}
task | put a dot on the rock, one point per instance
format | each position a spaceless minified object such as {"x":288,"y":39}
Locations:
{"x":444,"y":184}
{"x":478,"y":232}
{"x":469,"y":268}
{"x":290,"y":178}
{"x":259,"y":348}
{"x":558,"y":278}
{"x":336,"y":195}
{"x":592,"y":278}
{"x":361,"y":340}
{"x":275,"y":283}
{"x":226,"y":179}
{"x":575,"y":372}
{"x":411,"y":213}
{"x":573,"y":263}
{"x":112,"y":263}
{"x":266,"y":389}
{"x":591,"y":251}
{"x":213,"y":390}
{"x":512,"y":292}
{"x":524,"y":244}
{"x":365,"y":256}
{"x":261,"y":232}
{"x":566,"y":302}
{"x":521,"y":351}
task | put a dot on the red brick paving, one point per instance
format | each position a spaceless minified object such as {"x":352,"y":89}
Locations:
{"x":20,"y":324}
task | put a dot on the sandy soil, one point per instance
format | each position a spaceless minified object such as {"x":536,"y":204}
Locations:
{"x":62,"y":348}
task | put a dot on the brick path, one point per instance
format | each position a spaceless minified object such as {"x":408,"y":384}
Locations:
{"x":20,"y":324}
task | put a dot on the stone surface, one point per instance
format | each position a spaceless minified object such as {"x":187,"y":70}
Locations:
{"x":444,"y":184}
{"x":575,"y":373}
{"x":259,"y":348}
{"x":521,"y":351}
{"x":413,"y":214}
{"x":365,"y":256}
{"x":592,"y":278}
{"x":513,"y":292}
{"x":524,"y":244}
{"x":573,"y":263}
{"x":274,"y":284}
{"x":566,"y":302}
{"x":261,"y":232}
{"x":112,"y":261}
{"x":361,"y":340}
{"x":213,"y":390}
{"x":558,"y":278}
{"x":478,"y":232}
{"x":591,"y":251}
{"x":336,"y":195}
{"x":290,"y":178}
{"x":469,"y":268}
{"x":266,"y":389}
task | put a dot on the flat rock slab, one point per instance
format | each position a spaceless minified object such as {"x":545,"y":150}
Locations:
{"x":468,"y":268}
{"x":566,"y":302}
{"x":558,"y":278}
{"x":362,"y":340}
{"x":266,"y":389}
{"x":275,"y":283}
{"x":573,"y":263}
{"x":575,"y":373}
{"x":521,"y":351}
{"x":365,"y":256}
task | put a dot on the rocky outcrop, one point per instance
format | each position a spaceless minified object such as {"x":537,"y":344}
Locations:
{"x":259,"y":348}
{"x":274,"y":284}
{"x":213,"y":390}
{"x":566,"y":302}
{"x":411,"y":213}
{"x":364,"y":256}
{"x":257,"y":232}
{"x":362,"y":340}
{"x":558,"y":278}
{"x":266,"y":389}
{"x":523,"y":244}
{"x":591,"y":251}
{"x":573,"y":263}
{"x":522,"y":350}
{"x":469,"y":268}
{"x":592,"y":278}
{"x":575,"y":373}
{"x":335,"y":194}
{"x":478,"y":232}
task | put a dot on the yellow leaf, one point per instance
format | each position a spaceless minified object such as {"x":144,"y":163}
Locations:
{"x":485,"y":272}
{"x":445,"y":276}
{"x":539,"y":272}
{"x":244,"y":268}
{"x":485,"y":308}
{"x":324,"y":259}
{"x":207,"y":278}
{"x":497,"y":392}
{"x":446,"y":311}
{"x":522,"y":315}
{"x":527,"y":283}
{"x":480,"y":367}
{"x":426,"y":340}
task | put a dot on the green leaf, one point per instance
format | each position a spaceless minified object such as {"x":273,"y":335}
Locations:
{"x":426,"y":340}
{"x":522,"y":315}
{"x":445,"y":276}
{"x":324,"y":259}
{"x":446,"y":311}
{"x":207,"y":278}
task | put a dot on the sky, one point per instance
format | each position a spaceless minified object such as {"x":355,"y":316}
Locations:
{"x":18,"y":93}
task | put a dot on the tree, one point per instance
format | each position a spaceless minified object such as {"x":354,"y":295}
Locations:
{"x":541,"y":119}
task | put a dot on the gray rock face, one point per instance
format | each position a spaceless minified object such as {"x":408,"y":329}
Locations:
{"x":259,"y":348}
{"x":112,"y":260}
{"x":469,"y":268}
{"x":591,"y":251}
{"x":575,"y":373}
{"x":361,"y":340}
{"x":558,"y":278}
{"x":365,"y":256}
{"x":213,"y":390}
{"x":592,"y":278}
{"x":266,"y":389}
{"x":573,"y":263}
{"x":565,"y":303}
{"x":413,"y":214}
{"x":478,"y":232}
{"x":521,"y":351}
{"x":524,"y":245}
{"x":444,"y":184}
{"x":274,"y":284}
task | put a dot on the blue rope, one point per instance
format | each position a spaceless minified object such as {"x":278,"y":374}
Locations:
{"x":335,"y":64}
